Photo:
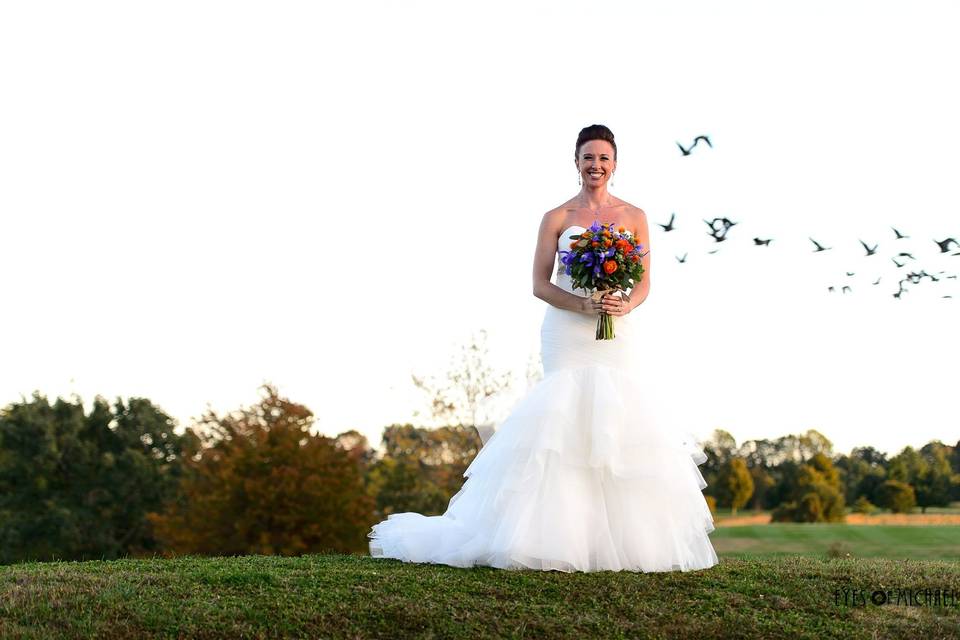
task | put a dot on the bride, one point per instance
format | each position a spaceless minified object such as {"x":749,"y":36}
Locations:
{"x":585,"y":474}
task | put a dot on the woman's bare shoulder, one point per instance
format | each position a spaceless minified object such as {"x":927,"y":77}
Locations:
{"x":557,"y":216}
{"x":633,"y":212}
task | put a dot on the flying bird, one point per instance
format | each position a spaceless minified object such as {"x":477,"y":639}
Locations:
{"x":687,"y":151}
{"x":870,"y":251}
{"x":849,"y":273}
{"x":846,"y":288}
{"x":945,"y":244}
{"x":904,"y":253}
{"x":669,"y":225}
{"x":899,"y":235}
{"x":897,"y":263}
{"x":878,"y":280}
{"x":758,"y":241}
{"x":719,"y":234}
{"x":819,"y":246}
{"x":683,"y":259}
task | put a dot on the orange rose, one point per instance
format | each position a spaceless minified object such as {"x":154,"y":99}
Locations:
{"x":621,"y":229}
{"x":610,"y":266}
{"x":594,"y":243}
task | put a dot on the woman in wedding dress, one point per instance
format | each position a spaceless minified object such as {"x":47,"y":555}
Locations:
{"x":585,"y":473}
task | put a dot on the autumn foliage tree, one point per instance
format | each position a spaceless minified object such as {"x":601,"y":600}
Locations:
{"x":735,"y":484}
{"x":421,"y":469}
{"x":257,"y":482}
{"x":817,"y":495}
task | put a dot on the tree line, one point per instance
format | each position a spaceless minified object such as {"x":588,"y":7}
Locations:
{"x":799,"y":478}
{"x":119,"y":481}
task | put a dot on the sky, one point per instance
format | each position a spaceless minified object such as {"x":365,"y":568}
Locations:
{"x":200,"y":197}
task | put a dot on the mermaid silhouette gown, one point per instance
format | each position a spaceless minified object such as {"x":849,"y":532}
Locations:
{"x":585,"y":473}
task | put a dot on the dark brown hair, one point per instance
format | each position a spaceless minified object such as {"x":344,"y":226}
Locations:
{"x":595,"y":132}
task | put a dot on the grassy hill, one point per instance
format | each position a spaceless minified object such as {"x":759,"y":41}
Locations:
{"x":343,"y":596}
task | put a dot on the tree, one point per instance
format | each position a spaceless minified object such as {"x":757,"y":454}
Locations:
{"x":735,"y":484}
{"x":720,"y":447}
{"x":897,"y":496}
{"x":421,"y":469}
{"x":763,"y":481}
{"x":862,"y":472}
{"x":260,"y":483}
{"x":928,"y":471}
{"x":463,"y":398}
{"x":817,"y":495}
{"x":935,"y":479}
{"x":78,"y":486}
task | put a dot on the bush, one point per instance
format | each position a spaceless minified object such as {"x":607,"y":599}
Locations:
{"x":863,"y":505}
{"x":897,"y":496}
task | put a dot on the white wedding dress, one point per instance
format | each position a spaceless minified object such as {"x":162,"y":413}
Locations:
{"x":585,"y":474}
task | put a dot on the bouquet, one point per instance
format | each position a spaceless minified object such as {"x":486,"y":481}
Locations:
{"x":602,"y":260}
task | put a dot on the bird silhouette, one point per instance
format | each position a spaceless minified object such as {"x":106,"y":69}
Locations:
{"x":899,"y":235}
{"x":846,"y":288}
{"x":849,"y":273}
{"x":687,"y":151}
{"x":758,"y":241}
{"x":945,"y":244}
{"x":683,"y":259}
{"x":897,"y":263}
{"x":669,"y":225}
{"x":870,"y":251}
{"x":878,"y":280}
{"x":714,"y":251}
{"x":819,"y":246}
{"x":830,"y":288}
{"x":719,"y":234}
{"x":904,"y":253}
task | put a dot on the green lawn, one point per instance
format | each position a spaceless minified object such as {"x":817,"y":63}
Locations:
{"x":929,"y":542}
{"x":342,"y":596}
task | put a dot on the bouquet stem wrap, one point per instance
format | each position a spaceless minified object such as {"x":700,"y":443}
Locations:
{"x":605,"y":321}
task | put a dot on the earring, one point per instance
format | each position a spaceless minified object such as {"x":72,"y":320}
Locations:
{"x":578,"y":179}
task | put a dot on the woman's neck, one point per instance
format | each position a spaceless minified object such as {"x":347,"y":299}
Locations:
{"x":595,"y":199}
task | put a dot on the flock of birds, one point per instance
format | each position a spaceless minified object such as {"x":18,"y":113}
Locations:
{"x":719,"y":227}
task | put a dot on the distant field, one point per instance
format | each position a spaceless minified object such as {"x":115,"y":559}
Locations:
{"x":925,"y":542}
{"x":934,"y":516}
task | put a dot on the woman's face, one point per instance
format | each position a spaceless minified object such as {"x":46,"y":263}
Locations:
{"x":595,"y":162}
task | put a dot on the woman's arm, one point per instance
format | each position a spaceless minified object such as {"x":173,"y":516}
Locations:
{"x":544,"y":259}
{"x":639,"y":293}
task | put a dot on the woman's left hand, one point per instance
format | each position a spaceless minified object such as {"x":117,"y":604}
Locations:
{"x":615,"y":305}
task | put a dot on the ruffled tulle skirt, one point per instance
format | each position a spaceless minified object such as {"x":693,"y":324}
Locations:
{"x":585,"y":474}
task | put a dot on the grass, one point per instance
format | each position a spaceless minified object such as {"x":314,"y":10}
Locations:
{"x":930,"y":542}
{"x":344,"y":596}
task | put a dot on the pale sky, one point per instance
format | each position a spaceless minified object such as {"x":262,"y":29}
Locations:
{"x":174,"y":178}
